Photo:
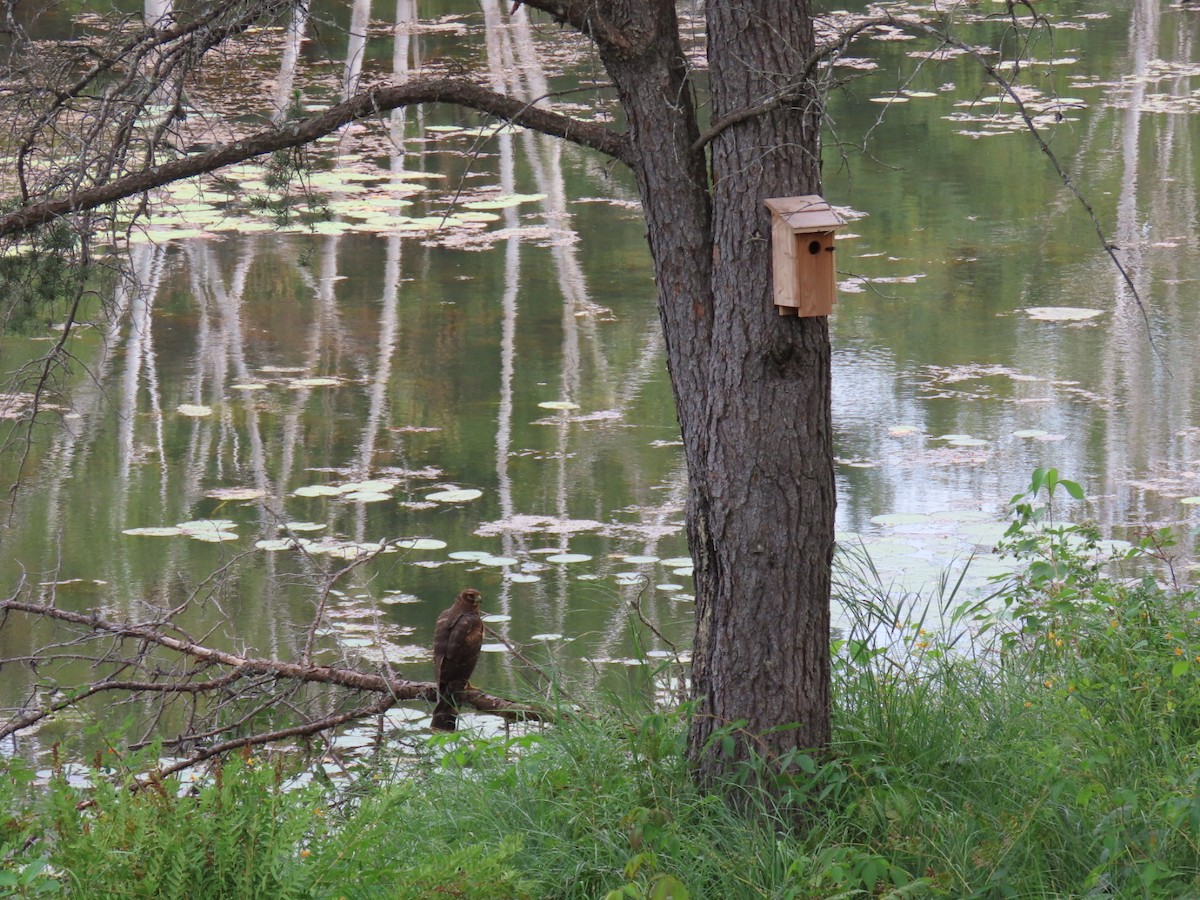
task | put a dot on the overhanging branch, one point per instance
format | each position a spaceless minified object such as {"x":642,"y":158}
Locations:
{"x":584,"y":17}
{"x":369,"y":103}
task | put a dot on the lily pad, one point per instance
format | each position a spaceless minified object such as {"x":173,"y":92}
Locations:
{"x":558,"y":404}
{"x":422,"y":544}
{"x":303,"y":526}
{"x":366,"y":496}
{"x":469,"y":554}
{"x":1062,"y":313}
{"x":1029,"y":433}
{"x":314,"y":382}
{"x":215,"y":536}
{"x":317,"y":490}
{"x":504,"y":201}
{"x":568,"y":558}
{"x":459,"y":495}
{"x":377,"y":485}
{"x":281,"y":544}
{"x":497,"y":561}
{"x":236,"y":494}
{"x":194,"y":410}
{"x":639,"y":560}
{"x":164,"y":531}
{"x":496,"y":617}
{"x":524,"y":578}
{"x":675,"y":561}
{"x":547,"y":637}
{"x":207,"y":525}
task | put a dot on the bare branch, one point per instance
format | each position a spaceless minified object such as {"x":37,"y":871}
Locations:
{"x":584,"y":17}
{"x":396,"y":689}
{"x":369,"y":103}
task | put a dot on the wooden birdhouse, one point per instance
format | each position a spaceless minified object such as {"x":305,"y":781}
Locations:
{"x":802,"y":255}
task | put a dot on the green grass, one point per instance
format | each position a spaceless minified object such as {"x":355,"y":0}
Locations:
{"x":1051,"y":749}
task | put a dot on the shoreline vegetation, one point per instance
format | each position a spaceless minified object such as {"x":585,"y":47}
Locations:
{"x":1041,"y":742}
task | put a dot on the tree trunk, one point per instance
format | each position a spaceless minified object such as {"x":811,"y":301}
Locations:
{"x":752,"y":388}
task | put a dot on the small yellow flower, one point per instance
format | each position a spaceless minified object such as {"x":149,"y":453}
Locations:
{"x":1058,"y":642}
{"x":305,"y":853}
{"x":922,"y":644}
{"x":1114,"y":624}
{"x":1179,"y":651}
{"x":1049,"y":682}
{"x":1050,"y":635}
{"x":1028,"y":704}
{"x":1070,"y":688}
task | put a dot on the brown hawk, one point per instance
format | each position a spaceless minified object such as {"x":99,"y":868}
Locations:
{"x":457,"y":638}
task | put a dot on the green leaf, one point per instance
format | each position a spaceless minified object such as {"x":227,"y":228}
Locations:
{"x":668,"y":887}
{"x":1181,"y":667}
{"x":1072,"y":488}
{"x":1039,"y":478}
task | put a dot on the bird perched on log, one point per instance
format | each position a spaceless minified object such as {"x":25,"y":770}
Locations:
{"x":457,"y":638}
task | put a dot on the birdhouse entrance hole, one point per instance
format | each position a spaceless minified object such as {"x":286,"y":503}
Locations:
{"x":805,"y":284}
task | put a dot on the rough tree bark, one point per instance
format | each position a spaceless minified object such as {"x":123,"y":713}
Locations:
{"x":752,"y":388}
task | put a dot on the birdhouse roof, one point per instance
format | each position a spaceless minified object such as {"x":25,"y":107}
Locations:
{"x":809,"y":212}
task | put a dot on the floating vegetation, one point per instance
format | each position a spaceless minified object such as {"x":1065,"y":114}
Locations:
{"x":316,"y":490}
{"x":193,"y":410}
{"x":568,"y":558}
{"x":210,"y":530}
{"x":1062,"y":313}
{"x":640,"y":560}
{"x":529,"y":524}
{"x":558,"y":404}
{"x":366,"y":496}
{"x":499,"y":561}
{"x":503,"y":201}
{"x":320,"y":381}
{"x":455,"y":495}
{"x":468,"y":555}
{"x":524,"y":577}
{"x":276,"y":544}
{"x":152,"y":531}
{"x":398,"y":597}
{"x":422,"y":544}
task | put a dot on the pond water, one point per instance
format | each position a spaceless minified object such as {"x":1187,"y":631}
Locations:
{"x":466,"y":358}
